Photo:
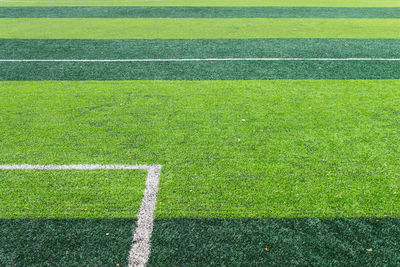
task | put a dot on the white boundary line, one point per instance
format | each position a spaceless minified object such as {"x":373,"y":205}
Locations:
{"x":140,"y":249}
{"x":199,"y":59}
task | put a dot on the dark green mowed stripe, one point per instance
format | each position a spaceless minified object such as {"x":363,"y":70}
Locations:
{"x":196,"y":48}
{"x":62,"y":242}
{"x":291,"y":242}
{"x":212,"y":70}
{"x":199,"y":12}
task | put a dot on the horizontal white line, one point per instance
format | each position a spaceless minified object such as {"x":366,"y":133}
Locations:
{"x":77,"y":167}
{"x":198,"y":59}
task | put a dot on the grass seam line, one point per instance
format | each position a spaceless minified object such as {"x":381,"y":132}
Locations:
{"x":198,"y":59}
{"x":140,"y":249}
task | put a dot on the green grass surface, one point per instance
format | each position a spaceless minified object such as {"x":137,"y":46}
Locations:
{"x":66,"y":242}
{"x":70,"y":194}
{"x":198,"y":12}
{"x":291,"y":242}
{"x":75,"y":28}
{"x":211,"y":48}
{"x":336,"y":3}
{"x":228,"y":148}
{"x":236,"y":70}
{"x":306,"y":168}
{"x":197,"y":48}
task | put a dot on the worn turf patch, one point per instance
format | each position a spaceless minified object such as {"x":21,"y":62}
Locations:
{"x":312,"y":3}
{"x":70,"y":193}
{"x":198,"y":12}
{"x":308,"y":241}
{"x":188,"y":28}
{"x":65,"y":242}
{"x":228,"y":148}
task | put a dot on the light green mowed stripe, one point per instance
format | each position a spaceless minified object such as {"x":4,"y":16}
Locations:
{"x":231,"y":149}
{"x":332,"y":3}
{"x":70,"y":193}
{"x":46,"y":28}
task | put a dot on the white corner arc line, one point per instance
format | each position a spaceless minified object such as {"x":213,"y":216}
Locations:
{"x":199,"y":59}
{"x":140,"y":249}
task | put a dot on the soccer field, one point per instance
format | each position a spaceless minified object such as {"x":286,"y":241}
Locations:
{"x":199,"y":133}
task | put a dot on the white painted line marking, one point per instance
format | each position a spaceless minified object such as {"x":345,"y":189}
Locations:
{"x":140,"y":249}
{"x":198,"y":59}
{"x":76,"y":167}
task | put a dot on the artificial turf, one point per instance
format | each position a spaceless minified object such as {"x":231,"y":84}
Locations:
{"x":308,"y":169}
{"x":65,"y":242}
{"x":219,"y":48}
{"x":312,"y":3}
{"x":290,"y":242}
{"x":198,"y":12}
{"x":198,"y":48}
{"x":189,"y":28}
{"x":70,"y":194}
{"x":235,"y":70}
{"x":277,"y":149}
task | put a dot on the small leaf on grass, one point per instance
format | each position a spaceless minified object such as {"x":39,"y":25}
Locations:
{"x":266,"y":249}
{"x":369,"y":249}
